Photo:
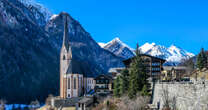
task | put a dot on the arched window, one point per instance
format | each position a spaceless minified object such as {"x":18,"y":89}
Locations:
{"x":74,"y":83}
{"x":68,"y":83}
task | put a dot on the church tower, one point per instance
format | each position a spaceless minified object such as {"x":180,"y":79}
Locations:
{"x":65,"y":55}
{"x":71,"y":74}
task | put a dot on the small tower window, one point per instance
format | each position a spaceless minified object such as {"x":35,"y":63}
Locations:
{"x":74,"y":83}
{"x":64,"y":57}
{"x":68,"y":83}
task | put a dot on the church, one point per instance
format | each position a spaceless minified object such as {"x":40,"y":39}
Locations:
{"x":74,"y":77}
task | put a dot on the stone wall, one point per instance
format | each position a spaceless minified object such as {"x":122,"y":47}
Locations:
{"x":188,"y":96}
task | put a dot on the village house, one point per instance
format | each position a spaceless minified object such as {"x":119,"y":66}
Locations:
{"x":153,"y":65}
{"x":104,"y":84}
{"x":173,"y":73}
{"x":115,"y":71}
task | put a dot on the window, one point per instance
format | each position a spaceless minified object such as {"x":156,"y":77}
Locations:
{"x":74,"y":83}
{"x":106,"y":81}
{"x":64,"y":57}
{"x":68,"y":83}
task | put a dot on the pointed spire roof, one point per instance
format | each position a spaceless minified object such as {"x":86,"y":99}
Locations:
{"x":66,"y":34}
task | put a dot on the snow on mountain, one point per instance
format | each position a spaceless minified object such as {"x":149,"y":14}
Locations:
{"x":119,"y":48}
{"x":178,"y":54}
{"x":173,"y":55}
{"x":53,"y":16}
{"x":147,"y":47}
{"x":101,"y":44}
{"x":117,"y":40}
{"x":42,"y":9}
{"x":155,"y":50}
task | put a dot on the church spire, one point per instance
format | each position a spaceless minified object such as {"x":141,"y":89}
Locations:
{"x":66,"y":34}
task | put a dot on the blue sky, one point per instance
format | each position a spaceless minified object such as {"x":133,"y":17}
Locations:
{"x":165,"y":22}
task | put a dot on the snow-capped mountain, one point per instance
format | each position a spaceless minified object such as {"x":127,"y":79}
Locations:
{"x":119,"y":48}
{"x":155,"y":50}
{"x":173,"y":55}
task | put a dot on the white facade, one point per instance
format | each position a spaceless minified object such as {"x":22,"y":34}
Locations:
{"x":74,"y":85}
{"x":89,"y":84}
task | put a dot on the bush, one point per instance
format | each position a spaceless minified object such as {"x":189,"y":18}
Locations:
{"x":139,"y":103}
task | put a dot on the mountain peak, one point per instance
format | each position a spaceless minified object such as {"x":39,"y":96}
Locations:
{"x":116,"y":39}
{"x":101,"y":44}
{"x":53,"y":16}
{"x":153,"y":43}
{"x":173,"y":46}
{"x":119,"y":48}
{"x":147,"y":46}
{"x":172,"y":54}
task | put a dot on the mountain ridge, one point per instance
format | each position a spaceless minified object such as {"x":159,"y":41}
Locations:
{"x":172,"y":54}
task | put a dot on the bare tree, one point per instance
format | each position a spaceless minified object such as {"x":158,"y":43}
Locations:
{"x":174,"y":100}
{"x":48,"y":100}
{"x":169,"y":103}
{"x":165,"y":98}
{"x":139,"y":103}
{"x":2,"y":104}
{"x":34,"y":105}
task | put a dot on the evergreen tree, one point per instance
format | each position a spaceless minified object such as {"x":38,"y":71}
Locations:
{"x":206,"y":53}
{"x":199,"y":61}
{"x":204,"y":56}
{"x":145,"y":91}
{"x":138,"y":77}
{"x":124,"y":81}
{"x":202,"y":59}
{"x":116,"y":90}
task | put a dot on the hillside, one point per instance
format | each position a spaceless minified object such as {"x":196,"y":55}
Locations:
{"x":30,"y":47}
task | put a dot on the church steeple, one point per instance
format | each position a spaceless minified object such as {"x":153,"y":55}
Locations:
{"x":66,"y":34}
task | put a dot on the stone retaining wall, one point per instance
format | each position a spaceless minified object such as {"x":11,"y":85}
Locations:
{"x":188,"y":96}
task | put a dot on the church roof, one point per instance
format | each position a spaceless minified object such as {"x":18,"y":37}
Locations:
{"x":77,"y":67}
